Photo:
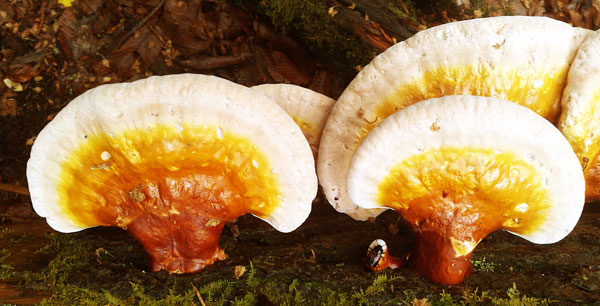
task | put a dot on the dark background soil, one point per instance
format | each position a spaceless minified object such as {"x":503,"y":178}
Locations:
{"x":50,"y":54}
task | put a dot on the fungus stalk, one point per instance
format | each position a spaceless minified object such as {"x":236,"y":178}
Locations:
{"x":444,"y":241}
{"x":184,"y":239}
{"x":179,"y":249}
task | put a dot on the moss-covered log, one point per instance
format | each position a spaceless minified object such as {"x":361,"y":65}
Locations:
{"x":345,"y":33}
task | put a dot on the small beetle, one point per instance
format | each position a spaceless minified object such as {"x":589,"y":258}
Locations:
{"x":377,"y":255}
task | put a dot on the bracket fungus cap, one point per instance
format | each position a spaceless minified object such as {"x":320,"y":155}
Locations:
{"x":308,"y":108}
{"x":580,"y":106}
{"x":517,"y":58}
{"x":171,"y":159}
{"x":460,"y":167}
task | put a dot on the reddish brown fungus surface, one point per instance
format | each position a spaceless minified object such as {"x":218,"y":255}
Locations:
{"x":184,"y":236}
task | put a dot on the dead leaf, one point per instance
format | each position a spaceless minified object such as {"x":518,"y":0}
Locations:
{"x":90,"y":6}
{"x":102,"y":67}
{"x":30,"y":141}
{"x":134,"y":41}
{"x":239,"y":271}
{"x":24,"y":73}
{"x":68,"y":31}
{"x":14,"y":86}
{"x":288,"y":69}
{"x":7,"y":12}
{"x":149,"y":49}
{"x":121,"y":63}
{"x":576,"y":18}
{"x":66,"y":3}
{"x":321,"y":82}
{"x":8,"y":107}
{"x":332,"y":11}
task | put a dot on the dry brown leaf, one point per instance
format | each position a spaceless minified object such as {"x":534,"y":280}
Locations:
{"x":321,"y":82}
{"x":576,"y":18}
{"x":288,"y":69}
{"x":239,"y":271}
{"x":67,"y":32}
{"x":14,"y":86}
{"x":30,"y":141}
{"x":149,"y":49}
{"x":332,"y":11}
{"x":24,"y":73}
{"x":8,"y":107}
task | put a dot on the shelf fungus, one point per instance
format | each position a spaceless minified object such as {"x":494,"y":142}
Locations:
{"x":172,"y":159}
{"x":516,"y":58}
{"x":460,"y":167}
{"x":580,"y":117}
{"x":308,"y":108}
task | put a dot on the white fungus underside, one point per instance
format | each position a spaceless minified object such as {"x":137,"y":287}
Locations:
{"x":302,"y":104}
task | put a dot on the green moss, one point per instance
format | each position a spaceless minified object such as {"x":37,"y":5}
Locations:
{"x":74,"y":295}
{"x":468,"y":298}
{"x":6,"y":269}
{"x":515,"y":299}
{"x":5,"y":232}
{"x":404,"y":10}
{"x":72,"y":256}
{"x":379,"y":285}
{"x":311,"y":23}
{"x":84,"y":270}
{"x":251,"y":280}
{"x":483,"y":265}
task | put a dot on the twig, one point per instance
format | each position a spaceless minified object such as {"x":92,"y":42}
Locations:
{"x":15,"y":189}
{"x":198,"y":294}
{"x":140,"y":24}
{"x":42,"y":18}
{"x":153,"y":29}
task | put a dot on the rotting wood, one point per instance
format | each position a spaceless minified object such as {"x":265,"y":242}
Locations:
{"x":386,"y":13}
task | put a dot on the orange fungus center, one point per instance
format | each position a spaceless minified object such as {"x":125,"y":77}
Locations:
{"x":172,"y":187}
{"x":453,"y":197}
{"x":538,"y":90}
